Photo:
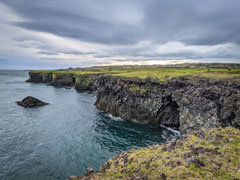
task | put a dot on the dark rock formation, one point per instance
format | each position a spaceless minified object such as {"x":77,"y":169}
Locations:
{"x":61,"y":79}
{"x":31,"y":102}
{"x":184,"y":103}
{"x":40,"y":77}
{"x":81,"y":82}
{"x":84,"y":82}
{"x":133,"y":100}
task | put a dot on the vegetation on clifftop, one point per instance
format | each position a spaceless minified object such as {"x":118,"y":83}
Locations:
{"x":204,"y":154}
{"x":162,"y":73}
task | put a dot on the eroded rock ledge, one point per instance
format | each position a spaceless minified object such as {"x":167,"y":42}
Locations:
{"x":185,"y":103}
{"x":203,"y":154}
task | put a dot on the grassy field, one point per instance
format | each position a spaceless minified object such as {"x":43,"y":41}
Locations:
{"x":167,"y":73}
{"x":162,"y":73}
{"x":213,"y":158}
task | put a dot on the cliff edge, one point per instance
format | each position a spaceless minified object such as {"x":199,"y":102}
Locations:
{"x":205,"y":110}
{"x":184,"y":103}
{"x":204,"y":154}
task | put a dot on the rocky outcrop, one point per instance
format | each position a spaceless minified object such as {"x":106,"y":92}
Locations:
{"x":63,"y":79}
{"x":84,"y":82}
{"x":202,"y":154}
{"x":40,"y":77}
{"x":206,"y":103}
{"x":30,"y":101}
{"x":184,"y":103}
{"x":80,"y":81}
{"x":133,"y":99}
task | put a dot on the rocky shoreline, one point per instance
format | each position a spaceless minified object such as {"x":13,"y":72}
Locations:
{"x":184,"y":103}
{"x":203,"y":154}
{"x":198,"y":107}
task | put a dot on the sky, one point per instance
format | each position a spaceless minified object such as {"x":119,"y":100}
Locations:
{"x":46,"y":34}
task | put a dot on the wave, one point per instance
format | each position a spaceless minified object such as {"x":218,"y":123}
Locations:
{"x":176,"y":132}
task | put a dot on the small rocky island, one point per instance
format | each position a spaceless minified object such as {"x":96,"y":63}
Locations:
{"x":30,"y":101}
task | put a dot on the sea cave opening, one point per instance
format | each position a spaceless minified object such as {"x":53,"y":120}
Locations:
{"x":168,"y":114}
{"x":73,"y":80}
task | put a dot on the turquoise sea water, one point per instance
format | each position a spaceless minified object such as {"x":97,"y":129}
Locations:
{"x":63,"y":138}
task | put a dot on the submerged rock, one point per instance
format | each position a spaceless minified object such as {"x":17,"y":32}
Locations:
{"x":31,"y":102}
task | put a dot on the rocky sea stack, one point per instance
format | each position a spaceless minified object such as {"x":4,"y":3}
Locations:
{"x":30,"y":101}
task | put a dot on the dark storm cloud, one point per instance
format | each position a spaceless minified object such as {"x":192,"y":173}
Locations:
{"x":76,"y":19}
{"x":3,"y":60}
{"x":30,"y":42}
{"x":206,"y":22}
{"x":85,"y":33}
{"x":45,"y":52}
{"x":79,"y":53}
{"x":102,"y":56}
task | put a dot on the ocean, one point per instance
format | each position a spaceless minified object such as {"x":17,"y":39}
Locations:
{"x":63,"y":138}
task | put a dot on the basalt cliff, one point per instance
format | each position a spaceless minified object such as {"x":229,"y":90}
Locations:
{"x":185,"y":103}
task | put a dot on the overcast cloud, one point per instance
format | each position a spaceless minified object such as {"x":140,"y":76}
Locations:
{"x":57,"y":33}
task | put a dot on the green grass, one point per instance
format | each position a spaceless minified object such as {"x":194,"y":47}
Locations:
{"x":219,"y":159}
{"x":162,"y":73}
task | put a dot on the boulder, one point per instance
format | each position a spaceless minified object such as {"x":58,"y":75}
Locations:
{"x":31,"y":102}
{"x":89,"y":171}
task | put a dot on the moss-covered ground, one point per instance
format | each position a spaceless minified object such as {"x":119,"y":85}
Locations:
{"x":162,"y":73}
{"x":203,"y":155}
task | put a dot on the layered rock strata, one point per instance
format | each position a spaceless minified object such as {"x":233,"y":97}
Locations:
{"x":184,"y":103}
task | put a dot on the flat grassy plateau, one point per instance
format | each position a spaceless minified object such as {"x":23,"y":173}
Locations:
{"x":161,"y":73}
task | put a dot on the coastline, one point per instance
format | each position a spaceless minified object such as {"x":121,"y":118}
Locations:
{"x":199,"y":113}
{"x":183,"y":103}
{"x":203,"y":154}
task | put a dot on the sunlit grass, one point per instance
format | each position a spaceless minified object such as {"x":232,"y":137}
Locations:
{"x":162,"y":73}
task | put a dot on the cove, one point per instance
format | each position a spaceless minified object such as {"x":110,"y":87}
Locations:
{"x":64,"y":138}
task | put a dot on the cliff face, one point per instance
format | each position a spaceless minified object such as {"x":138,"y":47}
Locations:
{"x":80,"y":82}
{"x":204,"y":154}
{"x":143,"y":101}
{"x":85,"y":82}
{"x":40,"y":77}
{"x":61,"y":79}
{"x":185,"y":103}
